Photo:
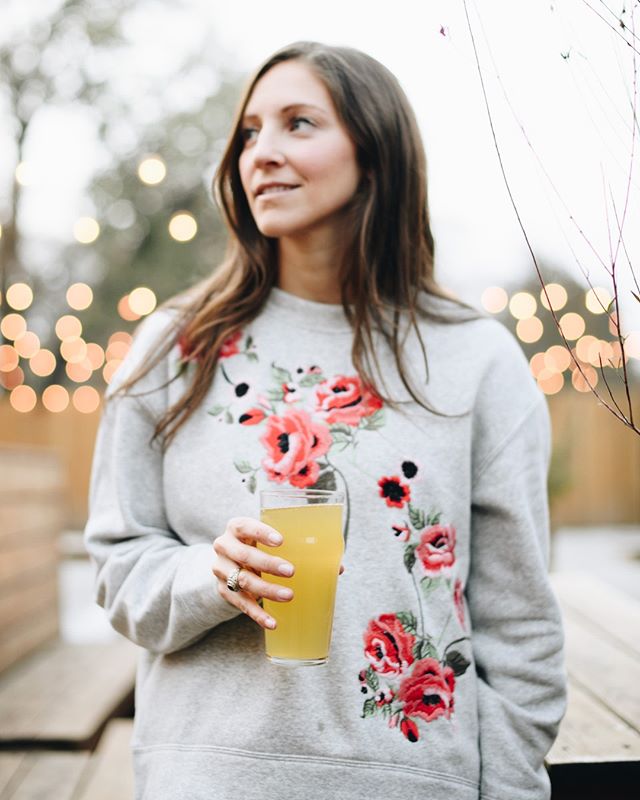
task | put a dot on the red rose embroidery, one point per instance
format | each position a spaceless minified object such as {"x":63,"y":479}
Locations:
{"x":459,"y":600}
{"x":388,"y":646}
{"x":230,"y":345}
{"x":395,"y":493}
{"x":252,"y":417}
{"x":409,"y":729}
{"x":401,"y":532}
{"x":436,"y":550}
{"x":344,"y":399}
{"x":293,"y":442}
{"x":428,"y":691}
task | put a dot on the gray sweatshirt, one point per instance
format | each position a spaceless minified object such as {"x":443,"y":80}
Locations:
{"x":445,"y":678}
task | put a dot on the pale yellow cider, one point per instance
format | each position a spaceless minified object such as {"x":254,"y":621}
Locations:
{"x":313,"y":543}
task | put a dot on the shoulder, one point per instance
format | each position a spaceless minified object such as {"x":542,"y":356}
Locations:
{"x":152,"y":340}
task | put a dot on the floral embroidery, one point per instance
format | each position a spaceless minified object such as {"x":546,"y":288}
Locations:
{"x":344,"y":399}
{"x":409,"y":679}
{"x":293,"y":443}
{"x":394,"y":492}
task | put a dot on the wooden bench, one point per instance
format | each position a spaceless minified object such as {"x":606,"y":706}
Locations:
{"x":106,"y":774}
{"x":597,"y":753}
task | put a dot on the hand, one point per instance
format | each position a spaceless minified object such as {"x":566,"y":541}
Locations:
{"x":236,"y":548}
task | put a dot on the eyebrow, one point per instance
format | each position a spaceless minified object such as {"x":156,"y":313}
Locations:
{"x":287,"y":109}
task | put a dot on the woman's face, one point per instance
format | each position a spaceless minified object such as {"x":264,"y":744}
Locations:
{"x":298,"y":166}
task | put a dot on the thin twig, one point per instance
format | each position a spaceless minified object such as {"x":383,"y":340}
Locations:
{"x":609,"y":25}
{"x":615,"y":413}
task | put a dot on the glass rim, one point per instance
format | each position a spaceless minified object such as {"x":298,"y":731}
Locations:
{"x":301,"y":492}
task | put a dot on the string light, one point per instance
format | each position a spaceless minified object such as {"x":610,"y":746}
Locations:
{"x":557,"y":295}
{"x":86,"y":230}
{"x":23,"y":399}
{"x":27,"y":345}
{"x":55,"y":398}
{"x":8,"y":358}
{"x":152,"y":170}
{"x":529,"y":330}
{"x":86,"y":399}
{"x":494,"y":299}
{"x":42,"y":363}
{"x":183,"y":226}
{"x":9,"y":380}
{"x":579,"y":382}
{"x":13,"y":326}
{"x":572,"y":325}
{"x":598,"y":300}
{"x":73,"y":349}
{"x":142,"y":301}
{"x":522,"y":305}
{"x":68,"y":327}
{"x":19,"y":296}
{"x":79,"y":296}
{"x":125,"y":311}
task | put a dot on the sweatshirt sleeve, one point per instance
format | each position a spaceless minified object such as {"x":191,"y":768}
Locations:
{"x":517,"y":635}
{"x":157,"y":591}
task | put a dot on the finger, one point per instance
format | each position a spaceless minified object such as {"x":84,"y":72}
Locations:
{"x":248,"y":529}
{"x":247,"y":556}
{"x":249,"y":606}
{"x":250,"y":583}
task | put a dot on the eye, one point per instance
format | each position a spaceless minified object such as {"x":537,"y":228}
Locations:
{"x":296,"y":122}
{"x":247,"y":134}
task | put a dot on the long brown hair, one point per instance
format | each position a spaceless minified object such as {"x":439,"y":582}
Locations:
{"x":388,"y":260}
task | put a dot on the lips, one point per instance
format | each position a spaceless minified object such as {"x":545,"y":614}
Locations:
{"x":271,"y":189}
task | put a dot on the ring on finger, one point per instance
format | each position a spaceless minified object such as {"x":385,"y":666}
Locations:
{"x":233,"y":581}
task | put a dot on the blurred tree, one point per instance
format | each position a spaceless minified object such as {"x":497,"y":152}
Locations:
{"x":66,"y":59}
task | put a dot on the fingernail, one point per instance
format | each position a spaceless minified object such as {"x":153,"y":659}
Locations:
{"x":285,"y":569}
{"x":275,"y":538}
{"x":285,"y":594}
{"x":270,"y":622}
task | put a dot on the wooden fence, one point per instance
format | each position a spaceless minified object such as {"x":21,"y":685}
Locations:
{"x":595,"y":477}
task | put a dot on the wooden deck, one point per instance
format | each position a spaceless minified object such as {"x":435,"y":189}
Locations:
{"x":59,"y":739}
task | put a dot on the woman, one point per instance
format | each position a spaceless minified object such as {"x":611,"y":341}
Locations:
{"x":323,"y":353}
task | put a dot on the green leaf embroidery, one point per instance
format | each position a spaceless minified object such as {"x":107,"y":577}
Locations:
{"x":341,"y":438}
{"x":243,"y":466}
{"x":280,"y":375}
{"x":275,"y":394}
{"x":416,"y":515}
{"x":458,"y":663}
{"x":252,"y":484}
{"x":312,"y":379}
{"x":429,"y":585}
{"x":369,"y":708}
{"x":434,"y":518}
{"x":374,"y":422}
{"x":228,"y":418}
{"x":340,"y":427}
{"x":252,"y":356}
{"x":372,"y":680}
{"x":326,"y":481}
{"x":215,"y":411}
{"x":408,"y":620}
{"x":424,"y":648}
{"x":248,"y":342}
{"x":387,"y":711}
{"x":410,"y":556}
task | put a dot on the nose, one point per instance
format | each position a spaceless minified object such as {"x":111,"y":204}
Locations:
{"x":266,"y":149}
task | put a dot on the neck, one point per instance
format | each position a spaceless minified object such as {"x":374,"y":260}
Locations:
{"x":309,"y":269}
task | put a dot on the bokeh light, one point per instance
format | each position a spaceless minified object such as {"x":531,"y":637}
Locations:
{"x":632,"y":344}
{"x":68,"y":327}
{"x":183,"y":226}
{"x":74,"y":349}
{"x":86,"y":230}
{"x":110,"y":369}
{"x":557,"y":358}
{"x":142,"y":301}
{"x":550,"y":382}
{"x":536,"y":363}
{"x":27,"y":345}
{"x":19,"y":296}
{"x":79,"y":372}
{"x":597,"y":300}
{"x":587,"y":348}
{"x":522,"y":305}
{"x":23,"y":399}
{"x":557,"y":295}
{"x":572,"y":325}
{"x":529,"y":330}
{"x":579,"y":382}
{"x":613,"y":324}
{"x":124,"y":309}
{"x":12,"y":326}
{"x":494,"y":299}
{"x":43,"y":363}
{"x":152,"y":170}
{"x":25,"y":174}
{"x":55,"y":398}
{"x":9,"y":380}
{"x":86,"y":399}
{"x":117,"y":351}
{"x":8,"y":358}
{"x":95,"y":354}
{"x":121,"y":336}
{"x":79,"y":296}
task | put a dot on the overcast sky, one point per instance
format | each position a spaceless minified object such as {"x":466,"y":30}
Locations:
{"x":575,"y":110}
